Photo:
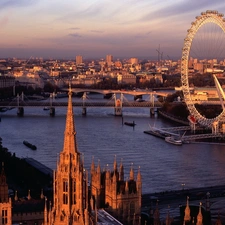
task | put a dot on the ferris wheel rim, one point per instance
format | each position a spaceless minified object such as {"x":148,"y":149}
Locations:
{"x":206,"y":17}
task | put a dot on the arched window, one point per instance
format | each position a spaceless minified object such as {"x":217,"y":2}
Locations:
{"x":65,"y":199}
{"x":65,"y":186}
{"x":74,"y":191}
{"x":65,"y":192}
{"x":4,"y":216}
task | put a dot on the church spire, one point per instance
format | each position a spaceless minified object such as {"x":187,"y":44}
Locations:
{"x":121,"y":173}
{"x":99,"y":168}
{"x":187,"y":212}
{"x":70,"y":145}
{"x":168,"y":218}
{"x":199,"y":217}
{"x":69,"y":179}
{"x":3,"y":186}
{"x":45,"y":213}
{"x":157,"y":215}
{"x":92,"y":166}
{"x":2,"y":176}
{"x":131,"y":172}
{"x":115,"y":164}
{"x":218,"y":221}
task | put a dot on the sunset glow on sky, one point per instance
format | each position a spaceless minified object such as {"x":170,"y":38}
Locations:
{"x":94,"y":28}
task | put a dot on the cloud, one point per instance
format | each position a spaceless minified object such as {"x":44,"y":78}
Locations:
{"x":74,"y":28}
{"x":4,"y":4}
{"x":180,"y":9}
{"x":4,"y":21}
{"x":76,"y":35}
{"x":97,"y":31}
{"x":21,"y":45}
{"x":148,"y":32}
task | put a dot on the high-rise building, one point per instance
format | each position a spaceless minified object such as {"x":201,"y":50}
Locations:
{"x":79,"y":59}
{"x":109,"y":60}
{"x":133,"y":61}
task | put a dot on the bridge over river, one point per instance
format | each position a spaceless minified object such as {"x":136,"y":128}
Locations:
{"x":29,"y":103}
{"x":116,"y":102}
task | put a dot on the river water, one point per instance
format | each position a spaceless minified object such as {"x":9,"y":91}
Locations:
{"x":101,"y":135}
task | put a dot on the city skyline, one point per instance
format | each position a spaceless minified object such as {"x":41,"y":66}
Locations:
{"x":96,"y":28}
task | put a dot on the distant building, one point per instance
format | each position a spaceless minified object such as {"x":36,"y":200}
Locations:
{"x":126,"y":79}
{"x":143,"y":77}
{"x":79,"y":60}
{"x":7,"y":81}
{"x":133,"y":61}
{"x":118,"y":64}
{"x":109,"y":60}
{"x":199,"y":67}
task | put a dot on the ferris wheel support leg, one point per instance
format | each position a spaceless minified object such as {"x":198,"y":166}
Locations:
{"x":192,"y":125}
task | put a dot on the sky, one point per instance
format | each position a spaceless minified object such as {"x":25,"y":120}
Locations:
{"x":95,"y":28}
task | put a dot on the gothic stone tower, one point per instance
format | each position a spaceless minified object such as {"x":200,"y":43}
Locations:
{"x":70,"y":181}
{"x":122,"y":198}
{"x":5,"y":201}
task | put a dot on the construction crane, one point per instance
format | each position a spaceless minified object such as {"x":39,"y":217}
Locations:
{"x":160,"y":55}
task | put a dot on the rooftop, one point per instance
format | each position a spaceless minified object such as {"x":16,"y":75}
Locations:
{"x":105,"y":218}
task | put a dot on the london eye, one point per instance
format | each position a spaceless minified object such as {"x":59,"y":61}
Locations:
{"x":204,"y":44}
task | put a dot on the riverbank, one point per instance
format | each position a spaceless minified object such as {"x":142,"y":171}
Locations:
{"x":170,"y":117}
{"x":21,"y":176}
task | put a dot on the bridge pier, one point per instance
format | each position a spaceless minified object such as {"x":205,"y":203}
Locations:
{"x":20,"y":111}
{"x":152,"y":112}
{"x":52,"y":111}
{"x":118,"y":111}
{"x":84,"y":111}
{"x":118,"y":106}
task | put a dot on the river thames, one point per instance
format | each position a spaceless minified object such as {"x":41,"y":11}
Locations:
{"x":101,"y":135}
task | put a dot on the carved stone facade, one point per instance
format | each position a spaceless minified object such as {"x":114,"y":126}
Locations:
{"x":5,"y":201}
{"x":70,"y":188}
{"x":121,"y":198}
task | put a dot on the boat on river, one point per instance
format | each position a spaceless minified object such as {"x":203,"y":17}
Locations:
{"x":131,"y":124}
{"x":29,"y":145}
{"x":173,"y":140}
